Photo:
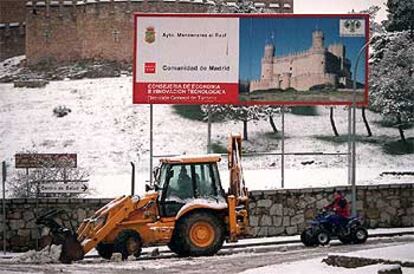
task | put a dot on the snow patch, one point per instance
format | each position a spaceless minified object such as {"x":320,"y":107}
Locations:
{"x":49,"y":254}
{"x":218,"y":204}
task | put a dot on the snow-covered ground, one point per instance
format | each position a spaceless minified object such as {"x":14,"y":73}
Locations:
{"x":402,"y":253}
{"x":316,"y":266}
{"x":107,"y":132}
{"x":262,"y":258}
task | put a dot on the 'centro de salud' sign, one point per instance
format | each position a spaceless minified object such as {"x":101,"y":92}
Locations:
{"x":249,"y":59}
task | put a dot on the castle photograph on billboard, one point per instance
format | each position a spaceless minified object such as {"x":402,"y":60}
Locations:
{"x":250,"y":59}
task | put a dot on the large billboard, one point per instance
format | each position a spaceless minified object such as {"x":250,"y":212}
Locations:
{"x":249,"y":59}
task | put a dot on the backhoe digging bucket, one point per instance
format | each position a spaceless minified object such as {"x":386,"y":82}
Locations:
{"x":72,"y":249}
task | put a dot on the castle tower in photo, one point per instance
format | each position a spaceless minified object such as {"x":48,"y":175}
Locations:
{"x":303,"y":70}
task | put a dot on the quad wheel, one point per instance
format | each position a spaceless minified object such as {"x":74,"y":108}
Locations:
{"x":322,"y":237}
{"x":128,"y":242}
{"x":360,"y":235}
{"x":198,"y":234}
{"x":307,"y":237}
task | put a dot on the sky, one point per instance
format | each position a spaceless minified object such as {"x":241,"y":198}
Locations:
{"x":290,"y":35}
{"x":339,"y":6}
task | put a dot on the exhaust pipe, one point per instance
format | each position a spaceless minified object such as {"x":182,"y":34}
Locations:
{"x":133,"y":179}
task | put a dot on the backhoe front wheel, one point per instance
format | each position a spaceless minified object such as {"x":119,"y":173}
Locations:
{"x":105,"y":250}
{"x":199,"y":234}
{"x":128,"y":243}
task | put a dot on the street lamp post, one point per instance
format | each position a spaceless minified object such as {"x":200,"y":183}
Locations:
{"x":353,"y":145}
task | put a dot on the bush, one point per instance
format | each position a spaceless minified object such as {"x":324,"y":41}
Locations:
{"x":192,"y":112}
{"x":305,"y":111}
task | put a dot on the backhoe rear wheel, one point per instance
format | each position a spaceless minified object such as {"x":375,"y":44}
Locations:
{"x":128,"y":243}
{"x":198,"y":234}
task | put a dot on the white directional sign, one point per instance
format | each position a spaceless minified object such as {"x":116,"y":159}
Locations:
{"x":63,"y":188}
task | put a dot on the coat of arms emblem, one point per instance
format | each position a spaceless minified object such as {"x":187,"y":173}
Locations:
{"x":150,"y":35}
{"x":352,"y":25}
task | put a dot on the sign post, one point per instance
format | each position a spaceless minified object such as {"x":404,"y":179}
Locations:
{"x":4,"y":177}
{"x":282,"y":157}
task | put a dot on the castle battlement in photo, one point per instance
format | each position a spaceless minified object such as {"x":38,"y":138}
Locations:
{"x":303,"y":70}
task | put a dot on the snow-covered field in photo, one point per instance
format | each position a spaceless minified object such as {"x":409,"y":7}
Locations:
{"x":108,"y":132}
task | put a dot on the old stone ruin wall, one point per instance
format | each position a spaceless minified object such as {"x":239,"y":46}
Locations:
{"x":272,"y":212}
{"x":12,"y":39}
{"x":61,"y":30}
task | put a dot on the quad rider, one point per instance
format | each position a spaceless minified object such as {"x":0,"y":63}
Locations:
{"x":340,"y":207}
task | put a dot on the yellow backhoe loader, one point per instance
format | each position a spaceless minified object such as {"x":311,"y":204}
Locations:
{"x":186,"y":208}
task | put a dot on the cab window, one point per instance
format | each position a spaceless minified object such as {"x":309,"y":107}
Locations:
{"x":180,"y":184}
{"x":204,"y":181}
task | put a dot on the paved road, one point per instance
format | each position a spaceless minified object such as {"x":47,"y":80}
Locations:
{"x":232,"y":260}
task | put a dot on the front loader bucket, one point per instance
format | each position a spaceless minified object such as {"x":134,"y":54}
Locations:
{"x":72,"y":250}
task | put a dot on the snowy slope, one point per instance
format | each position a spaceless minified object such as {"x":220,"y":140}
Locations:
{"x":108,"y":132}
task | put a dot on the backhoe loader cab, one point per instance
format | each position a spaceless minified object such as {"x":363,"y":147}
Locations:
{"x":185,"y":179}
{"x":186,"y":208}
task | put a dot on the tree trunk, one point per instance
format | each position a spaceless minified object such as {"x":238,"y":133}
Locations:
{"x":401,"y":130}
{"x":364,"y":117}
{"x":272,"y":124}
{"x":331,"y":116}
{"x":245,"y":137}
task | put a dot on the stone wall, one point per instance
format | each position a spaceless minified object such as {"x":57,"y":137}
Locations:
{"x":12,"y":11}
{"x":272,"y":212}
{"x":12,"y":40}
{"x":277,"y":212}
{"x":21,"y":229}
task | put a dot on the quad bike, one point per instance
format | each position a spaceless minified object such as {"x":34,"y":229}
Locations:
{"x":186,"y":208}
{"x":322,"y":229}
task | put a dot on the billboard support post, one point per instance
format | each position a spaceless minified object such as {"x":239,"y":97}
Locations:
{"x":4,"y":204}
{"x":209,"y":131}
{"x":151,"y":141}
{"x":282,"y":162}
{"x":349,"y":145}
{"x":353,"y":163}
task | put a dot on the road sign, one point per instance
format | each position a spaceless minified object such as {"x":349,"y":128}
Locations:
{"x":46,"y":160}
{"x":63,"y":188}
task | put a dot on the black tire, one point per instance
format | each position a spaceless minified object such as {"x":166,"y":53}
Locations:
{"x":307,"y":237}
{"x":359,"y":235}
{"x":128,"y":242}
{"x":322,"y":237}
{"x":173,"y":245}
{"x":105,"y":250}
{"x":201,"y":243}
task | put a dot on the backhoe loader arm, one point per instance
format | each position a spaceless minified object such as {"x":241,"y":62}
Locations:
{"x":95,"y":229}
{"x":237,"y":198}
{"x":237,"y":185}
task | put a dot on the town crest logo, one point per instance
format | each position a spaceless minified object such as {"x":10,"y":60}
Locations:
{"x":352,"y":27}
{"x":150,"y":35}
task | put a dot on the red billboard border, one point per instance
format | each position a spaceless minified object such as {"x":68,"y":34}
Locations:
{"x":274,"y":15}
